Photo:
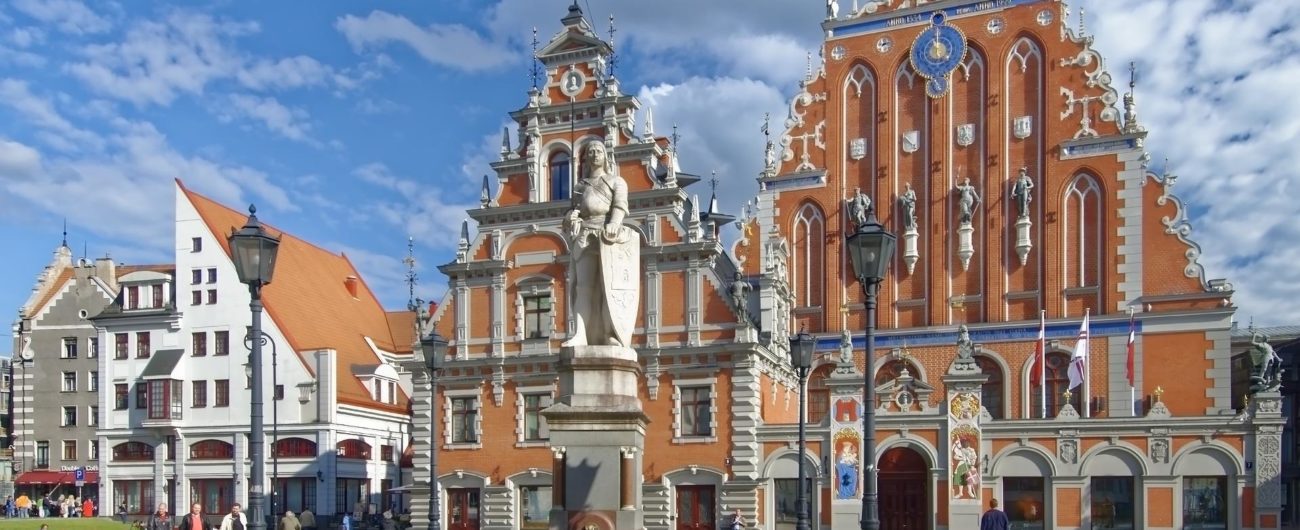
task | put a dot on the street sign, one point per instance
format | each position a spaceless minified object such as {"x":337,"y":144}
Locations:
{"x":79,"y":475}
{"x":81,"y":483}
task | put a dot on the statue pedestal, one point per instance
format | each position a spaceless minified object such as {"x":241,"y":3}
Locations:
{"x":965,"y":248}
{"x":597,"y":431}
{"x":910,"y":253}
{"x":1023,"y":243}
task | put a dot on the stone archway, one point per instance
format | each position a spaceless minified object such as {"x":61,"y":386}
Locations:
{"x":904,"y":486}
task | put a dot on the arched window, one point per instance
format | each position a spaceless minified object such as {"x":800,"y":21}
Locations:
{"x":561,"y":175}
{"x":132,"y":452}
{"x":809,"y":256}
{"x":1058,"y":380}
{"x":295,"y":448}
{"x":991,"y":392}
{"x":211,"y":450}
{"x":355,"y":449}
{"x":1083,"y":229}
{"x":819,"y":396}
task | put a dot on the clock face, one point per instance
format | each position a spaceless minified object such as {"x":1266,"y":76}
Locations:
{"x":937,"y":51}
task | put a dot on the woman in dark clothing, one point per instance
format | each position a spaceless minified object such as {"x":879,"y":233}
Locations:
{"x":161,"y":520}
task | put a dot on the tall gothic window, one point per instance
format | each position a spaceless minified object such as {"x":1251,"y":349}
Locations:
{"x":809,"y":256}
{"x":991,"y":392}
{"x":561,"y":175}
{"x":1083,"y":222}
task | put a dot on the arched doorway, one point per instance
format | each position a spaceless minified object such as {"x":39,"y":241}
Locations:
{"x":904,"y":485}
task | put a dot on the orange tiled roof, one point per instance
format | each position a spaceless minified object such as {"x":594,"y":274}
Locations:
{"x":310,"y":302}
{"x":401,"y":324}
{"x":54,"y":287}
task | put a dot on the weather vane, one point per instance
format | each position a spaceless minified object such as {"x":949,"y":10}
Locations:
{"x":411,"y":277}
{"x":535,"y":72}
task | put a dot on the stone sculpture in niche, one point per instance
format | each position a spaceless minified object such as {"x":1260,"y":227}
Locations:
{"x":1021,"y":192}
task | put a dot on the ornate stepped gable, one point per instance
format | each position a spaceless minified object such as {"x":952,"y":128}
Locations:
{"x":874,"y":113}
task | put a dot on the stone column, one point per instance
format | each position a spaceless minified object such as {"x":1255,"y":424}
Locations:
{"x":965,"y":439}
{"x":1266,"y":407}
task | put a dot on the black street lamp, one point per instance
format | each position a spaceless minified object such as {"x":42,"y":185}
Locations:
{"x":253,"y":251}
{"x":801,"y":352}
{"x":872,"y":249}
{"x":275,"y":413}
{"x":434,"y":348}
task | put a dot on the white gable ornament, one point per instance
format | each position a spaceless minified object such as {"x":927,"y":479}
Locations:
{"x":1023,"y":127}
{"x":858,"y":148}
{"x":966,"y":134}
{"x":911,"y":141}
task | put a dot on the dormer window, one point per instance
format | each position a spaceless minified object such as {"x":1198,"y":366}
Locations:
{"x":381,"y":381}
{"x":561,"y":175}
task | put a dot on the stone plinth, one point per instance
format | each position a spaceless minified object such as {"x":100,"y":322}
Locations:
{"x":597,"y":434}
{"x":965,"y":442}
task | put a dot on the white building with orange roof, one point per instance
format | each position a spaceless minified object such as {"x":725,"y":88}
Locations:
{"x":176,"y":408}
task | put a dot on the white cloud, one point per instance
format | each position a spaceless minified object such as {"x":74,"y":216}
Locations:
{"x":70,"y":16}
{"x":375,"y":106}
{"x":18,"y":160}
{"x":451,"y":45}
{"x":292,"y":123}
{"x":26,"y":37}
{"x":185,"y":52}
{"x":423,"y":212}
{"x":40,"y":112}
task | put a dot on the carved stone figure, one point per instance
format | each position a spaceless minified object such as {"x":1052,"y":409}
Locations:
{"x":1021,"y":192}
{"x":769,"y":156}
{"x":846,"y":348}
{"x":969,"y":200}
{"x":1160,"y":451}
{"x":907,"y":201}
{"x":605,"y":271}
{"x":965,"y":347}
{"x":740,"y":296}
{"x":1266,"y":370}
{"x":859,"y":204}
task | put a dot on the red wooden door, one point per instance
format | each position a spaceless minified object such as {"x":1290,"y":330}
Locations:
{"x":462,"y":509}
{"x":903,"y":485}
{"x":696,"y":508}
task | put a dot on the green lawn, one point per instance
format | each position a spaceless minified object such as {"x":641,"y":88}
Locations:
{"x":62,"y":524}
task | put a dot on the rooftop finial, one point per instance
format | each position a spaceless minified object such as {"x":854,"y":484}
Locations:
{"x":613,"y":56}
{"x":1130,"y":105}
{"x":675,"y":137}
{"x":411,"y":278}
{"x":65,"y":231}
{"x":1081,"y":20}
{"x":535,"y":72}
{"x":808,"y":70}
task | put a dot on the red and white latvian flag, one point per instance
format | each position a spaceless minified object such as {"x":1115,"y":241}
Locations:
{"x":1132,"y":338}
{"x":1079,"y":363}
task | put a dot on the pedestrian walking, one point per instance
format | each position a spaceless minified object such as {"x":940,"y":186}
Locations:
{"x":307,"y":519}
{"x":994,"y":519}
{"x":161,"y":520}
{"x":290,"y":522}
{"x":193,"y":520}
{"x":234,"y":520}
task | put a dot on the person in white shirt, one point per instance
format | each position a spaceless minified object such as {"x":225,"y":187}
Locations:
{"x":234,"y":520}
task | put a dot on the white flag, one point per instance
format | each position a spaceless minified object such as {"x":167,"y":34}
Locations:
{"x":1079,"y":363}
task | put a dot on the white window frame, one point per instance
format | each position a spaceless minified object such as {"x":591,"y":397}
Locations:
{"x":76,"y":449}
{"x":92,"y":381}
{"x":527,"y":288}
{"x":64,"y":381}
{"x":92,"y":412}
{"x":520,"y":419}
{"x":92,"y":450}
{"x":74,"y":342}
{"x":447,"y":417}
{"x":63,"y":416}
{"x":678,"y":384}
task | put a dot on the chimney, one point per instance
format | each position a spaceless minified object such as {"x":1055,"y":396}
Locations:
{"x":106,"y":271}
{"x":351,"y":283}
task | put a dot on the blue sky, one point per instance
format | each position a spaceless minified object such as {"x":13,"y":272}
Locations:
{"x":355,"y":125}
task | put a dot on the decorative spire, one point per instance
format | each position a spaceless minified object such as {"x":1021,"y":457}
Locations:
{"x":485,"y":196}
{"x":648,"y":131}
{"x":613,"y":56}
{"x":693,"y":229}
{"x":505,"y":143}
{"x":713,"y":201}
{"x":462,"y":246}
{"x":574,"y":16}
{"x":1131,"y":125}
{"x":536,"y":73}
{"x":1081,"y":22}
{"x":808,"y":72}
{"x":675,"y":137}
{"x":412,"y":303}
{"x":65,"y":233}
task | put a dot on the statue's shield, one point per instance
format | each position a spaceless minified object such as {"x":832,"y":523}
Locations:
{"x":620,"y":271}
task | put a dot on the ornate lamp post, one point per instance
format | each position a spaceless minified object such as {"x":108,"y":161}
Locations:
{"x":434,"y":348}
{"x":872,"y":249}
{"x":801,"y":352}
{"x":275,"y":413}
{"x":254,"y":250}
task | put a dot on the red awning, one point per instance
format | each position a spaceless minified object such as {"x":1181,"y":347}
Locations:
{"x":53,"y":477}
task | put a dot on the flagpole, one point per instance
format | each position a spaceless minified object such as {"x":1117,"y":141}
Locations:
{"x":1042,"y":361}
{"x":1086,"y":405}
{"x":1132,"y":368}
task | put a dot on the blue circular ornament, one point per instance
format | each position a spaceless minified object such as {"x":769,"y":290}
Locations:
{"x":936,"y":53}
